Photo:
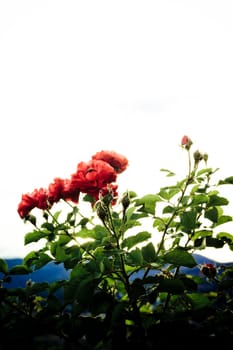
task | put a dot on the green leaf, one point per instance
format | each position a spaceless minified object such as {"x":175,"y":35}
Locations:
{"x":148,"y":203}
{"x":148,"y":253}
{"x":202,"y":234}
{"x":59,"y":251}
{"x":199,"y":199}
{"x":209,"y":171}
{"x":199,"y":300}
{"x":56,"y":215}
{"x":34,"y":236}
{"x":86,"y":233}
{"x":214,"y":242}
{"x":173,"y":286}
{"x":38,"y":287}
{"x":3,"y":266}
{"x":227,"y":237}
{"x":100,"y":232}
{"x":30,"y":258}
{"x":129,"y":212}
{"x":42,"y":260}
{"x":169,"y":172}
{"x":180,"y":257}
{"x":226,"y":181}
{"x":168,"y":192}
{"x":215,"y":200}
{"x":134,"y":258}
{"x":188,"y":220}
{"x":160,"y":223}
{"x":20,"y":270}
{"x":48,"y":226}
{"x":223,"y":219}
{"x":131,"y":241}
{"x":89,"y":198}
{"x":212,"y":214}
{"x":168,"y":209}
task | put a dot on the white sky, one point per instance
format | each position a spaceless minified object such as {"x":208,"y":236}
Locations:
{"x":77,"y":77}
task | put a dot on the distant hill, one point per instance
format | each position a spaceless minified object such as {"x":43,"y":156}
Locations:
{"x":53,"y":272}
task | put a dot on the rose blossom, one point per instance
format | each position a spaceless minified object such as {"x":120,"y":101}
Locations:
{"x":92,"y":176}
{"x":116,"y":160}
{"x":60,"y":189}
{"x":36,"y":199}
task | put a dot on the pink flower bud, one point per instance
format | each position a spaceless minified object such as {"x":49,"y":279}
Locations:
{"x":186,"y":142}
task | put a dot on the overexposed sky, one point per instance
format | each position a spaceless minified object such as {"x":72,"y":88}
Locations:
{"x":77,"y":77}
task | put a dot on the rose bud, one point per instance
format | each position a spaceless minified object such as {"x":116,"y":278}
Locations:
{"x":186,"y":142}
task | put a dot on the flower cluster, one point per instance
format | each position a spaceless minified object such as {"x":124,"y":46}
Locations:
{"x":95,"y":178}
{"x":132,"y":272}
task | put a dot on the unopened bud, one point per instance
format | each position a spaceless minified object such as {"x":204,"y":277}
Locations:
{"x":102,"y":211}
{"x":186,"y":142}
{"x":107,"y":199}
{"x":125,"y":201}
{"x":198,"y":156}
{"x":205,"y":157}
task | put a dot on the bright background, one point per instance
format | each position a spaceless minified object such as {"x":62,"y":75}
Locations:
{"x":77,"y":77}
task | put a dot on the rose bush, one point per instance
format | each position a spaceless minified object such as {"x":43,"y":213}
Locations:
{"x":129,"y":259}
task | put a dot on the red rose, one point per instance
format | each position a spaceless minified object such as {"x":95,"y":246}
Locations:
{"x":92,"y":176}
{"x":117,"y":161}
{"x":60,"y":189}
{"x":36,"y":199}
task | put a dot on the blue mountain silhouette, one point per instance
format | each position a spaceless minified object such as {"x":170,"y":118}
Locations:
{"x":53,"y":272}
